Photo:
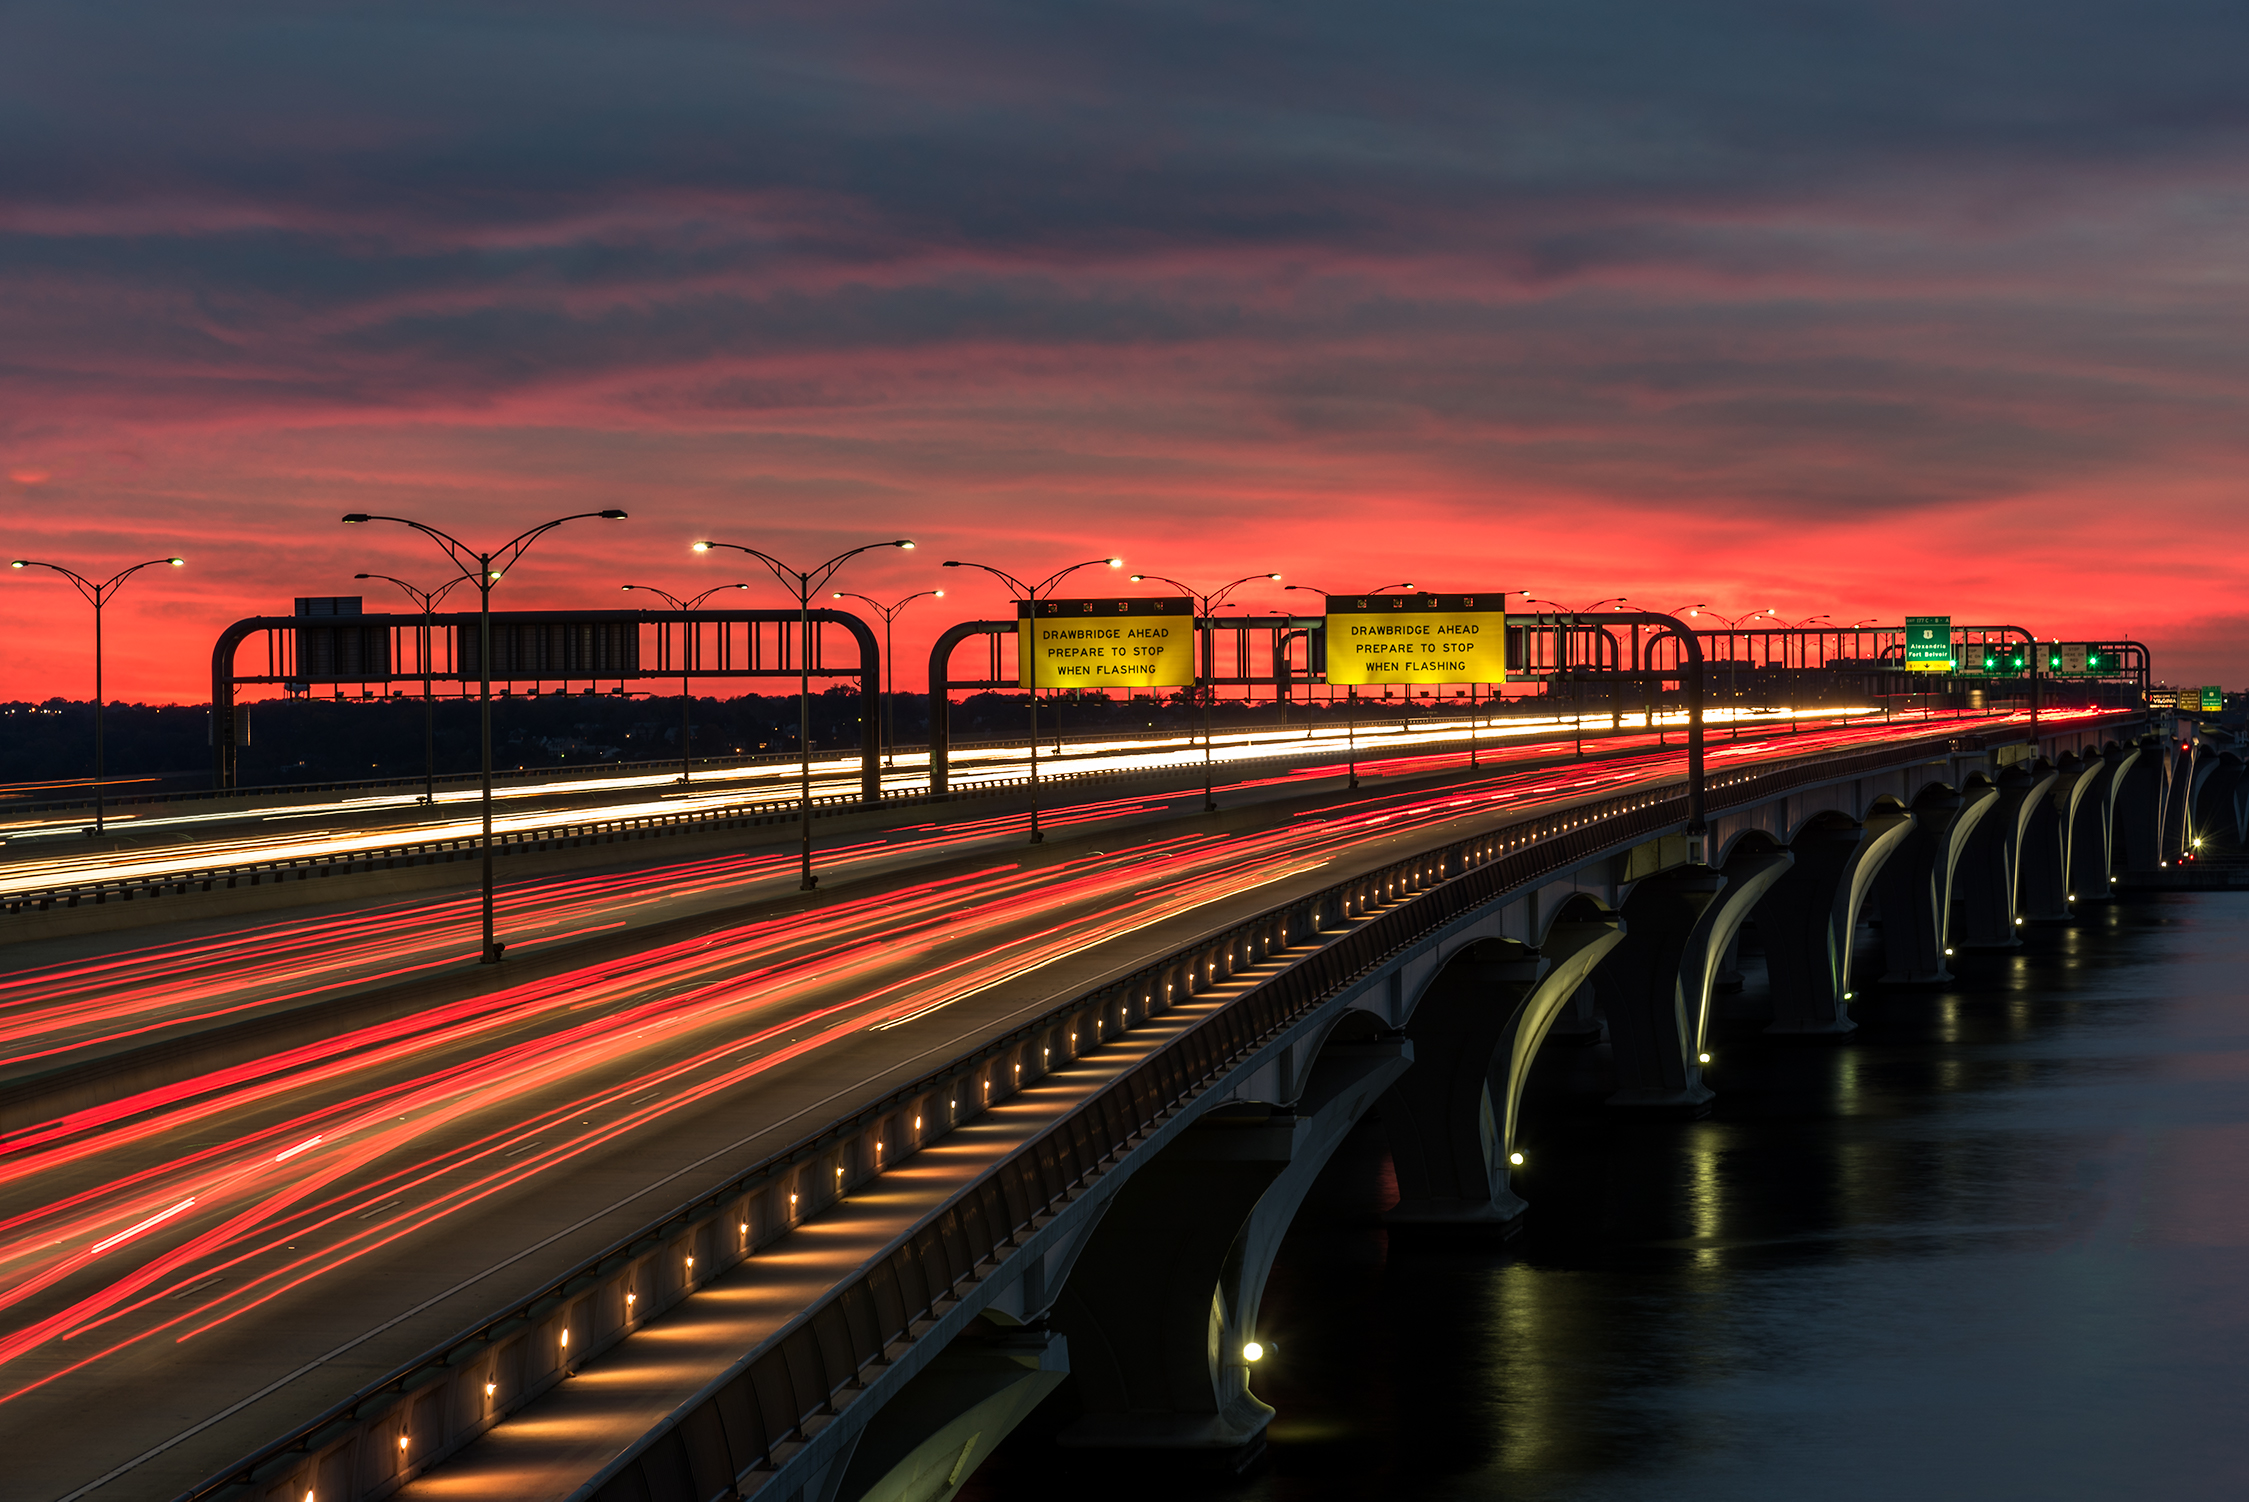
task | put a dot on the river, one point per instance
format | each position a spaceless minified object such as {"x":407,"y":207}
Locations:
{"x":1995,"y":1247}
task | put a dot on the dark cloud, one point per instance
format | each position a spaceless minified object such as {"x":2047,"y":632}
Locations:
{"x":1803,"y":268}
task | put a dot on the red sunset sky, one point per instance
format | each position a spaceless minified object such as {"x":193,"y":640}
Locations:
{"x":1859,"y":309}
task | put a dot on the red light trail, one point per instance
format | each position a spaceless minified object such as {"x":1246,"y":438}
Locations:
{"x":313,"y":1158}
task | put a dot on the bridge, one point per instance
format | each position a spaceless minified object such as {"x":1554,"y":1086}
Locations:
{"x":723,"y":1188}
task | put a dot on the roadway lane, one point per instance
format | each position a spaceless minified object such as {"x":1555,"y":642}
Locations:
{"x":349,"y":1202}
{"x":49,"y":851}
{"x":70,"y":1000}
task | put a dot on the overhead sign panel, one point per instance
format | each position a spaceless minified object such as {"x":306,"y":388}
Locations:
{"x":1134,"y":643}
{"x":2070,"y":659}
{"x":2168,"y":698}
{"x":1928,"y":644}
{"x":1417,"y":639}
{"x":2213,"y":699}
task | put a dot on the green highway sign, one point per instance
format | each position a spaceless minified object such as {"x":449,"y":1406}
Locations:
{"x":2213,"y":699}
{"x":1928,"y":644}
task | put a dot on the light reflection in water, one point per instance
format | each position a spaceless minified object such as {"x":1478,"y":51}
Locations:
{"x":1991,"y":1247}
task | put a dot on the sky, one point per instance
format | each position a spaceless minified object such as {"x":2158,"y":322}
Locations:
{"x":1860,"y":309}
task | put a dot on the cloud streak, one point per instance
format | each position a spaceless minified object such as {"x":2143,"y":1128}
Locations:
{"x":1863,"y":308}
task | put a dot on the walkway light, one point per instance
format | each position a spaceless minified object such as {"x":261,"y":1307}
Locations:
{"x":1516,"y":1159}
{"x":1252,"y":1351}
{"x":1703,"y":1058}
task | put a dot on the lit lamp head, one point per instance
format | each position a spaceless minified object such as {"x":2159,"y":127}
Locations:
{"x":701,"y":547}
{"x":176,"y":562}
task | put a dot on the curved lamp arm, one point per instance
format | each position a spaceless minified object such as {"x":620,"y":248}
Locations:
{"x":95,"y":594}
{"x":810,"y":581}
{"x":467,"y":559}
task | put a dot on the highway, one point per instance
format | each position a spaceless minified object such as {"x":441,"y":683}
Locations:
{"x":329,"y":1208}
{"x":49,"y":849}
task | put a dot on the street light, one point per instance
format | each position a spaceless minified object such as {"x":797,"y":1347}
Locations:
{"x":97,"y":595}
{"x":427,"y":599}
{"x":1308,"y":589}
{"x":1351,"y":694}
{"x":889,"y":614}
{"x":1032,"y":592}
{"x":1205,"y":607}
{"x":478,"y":569}
{"x":805,"y":583}
{"x":686,"y":728}
{"x":1577,"y":703}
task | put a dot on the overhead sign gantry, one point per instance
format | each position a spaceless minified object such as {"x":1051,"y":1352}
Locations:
{"x":1137,"y":643}
{"x":1417,"y":639}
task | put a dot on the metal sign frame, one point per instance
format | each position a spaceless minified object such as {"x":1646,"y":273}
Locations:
{"x":684,"y":648}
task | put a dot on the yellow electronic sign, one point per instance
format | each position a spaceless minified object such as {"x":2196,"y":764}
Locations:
{"x":1417,"y":638}
{"x":1142,"y":643}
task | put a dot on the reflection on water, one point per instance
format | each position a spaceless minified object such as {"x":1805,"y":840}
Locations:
{"x":1996,"y":1247}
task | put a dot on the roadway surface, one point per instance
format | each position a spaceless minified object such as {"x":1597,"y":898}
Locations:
{"x":196,"y":1266}
{"x":50,"y":849}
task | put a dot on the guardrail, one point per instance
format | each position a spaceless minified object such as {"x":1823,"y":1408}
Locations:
{"x":754,"y":1417}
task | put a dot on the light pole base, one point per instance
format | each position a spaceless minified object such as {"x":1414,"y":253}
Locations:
{"x":810,"y":883}
{"x":492,"y":953}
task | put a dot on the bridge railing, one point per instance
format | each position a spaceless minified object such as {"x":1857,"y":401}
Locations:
{"x":755,"y":1414}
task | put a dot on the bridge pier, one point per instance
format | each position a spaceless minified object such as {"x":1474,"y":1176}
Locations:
{"x":1987,"y":883}
{"x":2142,"y":784}
{"x":1145,"y":1308}
{"x":1450,"y":1122}
{"x":2216,"y":801}
{"x":2091,"y":824}
{"x":923,"y":1444}
{"x":1809,"y":917}
{"x":2042,"y":856}
{"x":1656,"y":985}
{"x":1914,"y":886}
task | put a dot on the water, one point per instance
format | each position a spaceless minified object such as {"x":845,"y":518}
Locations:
{"x":1998,"y":1247}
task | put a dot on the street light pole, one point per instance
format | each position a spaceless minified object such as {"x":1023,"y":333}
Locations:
{"x":887,"y":725}
{"x":97,"y":595}
{"x":1577,"y":706}
{"x":461,"y":556}
{"x":686,"y":703}
{"x":1351,"y":691}
{"x":427,"y":599}
{"x":1033,"y":593}
{"x":1204,"y":689}
{"x":804,"y":583}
